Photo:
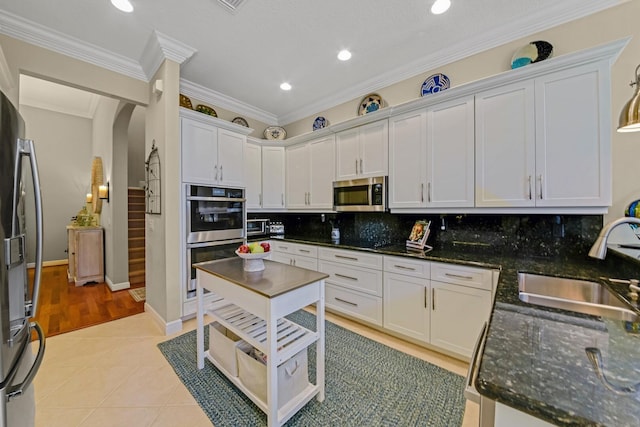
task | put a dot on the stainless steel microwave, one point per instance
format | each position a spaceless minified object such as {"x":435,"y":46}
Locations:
{"x":361,"y":195}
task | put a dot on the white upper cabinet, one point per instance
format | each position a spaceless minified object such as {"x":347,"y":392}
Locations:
{"x":545,"y":142}
{"x":505,"y":146}
{"x":431,"y":156}
{"x":363,"y":151}
{"x":211,"y":155}
{"x":573,"y":153}
{"x":253,"y":176}
{"x":310,"y":171}
{"x":273,"y":178}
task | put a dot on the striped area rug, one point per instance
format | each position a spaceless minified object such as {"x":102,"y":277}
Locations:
{"x":138,"y":294}
{"x":367,"y":384}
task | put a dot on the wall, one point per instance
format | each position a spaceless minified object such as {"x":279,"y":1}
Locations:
{"x":64,"y":153}
{"x":136,"y":154}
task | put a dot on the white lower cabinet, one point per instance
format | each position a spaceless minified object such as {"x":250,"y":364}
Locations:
{"x":443,"y":305}
{"x":296,"y":254}
{"x":354,"y":285}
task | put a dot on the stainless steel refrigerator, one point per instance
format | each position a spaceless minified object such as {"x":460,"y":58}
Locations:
{"x":18,"y":299}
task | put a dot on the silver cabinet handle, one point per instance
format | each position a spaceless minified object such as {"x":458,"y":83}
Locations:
{"x":433,"y":299}
{"x":422,"y":192}
{"x":347,"y":257}
{"x":306,"y":251}
{"x":429,"y":192}
{"x":356,"y":166}
{"x":458,"y":276}
{"x":282,"y":198}
{"x":309,"y":197}
{"x":529,"y":187}
{"x":361,"y":167}
{"x":402,"y":267}
{"x":346,"y":302}
{"x":221,"y":178}
{"x":284,"y":248}
{"x":425,"y":297}
{"x":260,"y":199}
{"x":216,"y":169}
{"x":540,"y":187}
{"x":342,"y":276}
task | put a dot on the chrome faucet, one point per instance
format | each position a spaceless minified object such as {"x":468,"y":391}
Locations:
{"x":599,"y":248}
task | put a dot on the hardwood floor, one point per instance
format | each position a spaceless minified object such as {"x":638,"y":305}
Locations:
{"x":63,"y":307}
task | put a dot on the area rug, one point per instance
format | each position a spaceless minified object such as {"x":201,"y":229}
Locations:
{"x":367,"y":384}
{"x":138,"y":294}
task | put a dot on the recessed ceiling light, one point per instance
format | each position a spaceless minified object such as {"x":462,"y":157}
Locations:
{"x":285,"y":86}
{"x":123,"y":5}
{"x":440,"y":6}
{"x":344,"y":55}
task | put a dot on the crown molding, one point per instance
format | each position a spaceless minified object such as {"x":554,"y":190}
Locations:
{"x":212,"y":97}
{"x":39,"y":35}
{"x":532,"y":24}
{"x":160,"y":47}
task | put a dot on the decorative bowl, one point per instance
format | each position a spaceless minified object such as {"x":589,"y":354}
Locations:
{"x":253,"y":261}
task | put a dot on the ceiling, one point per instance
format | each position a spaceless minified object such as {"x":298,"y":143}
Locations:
{"x":241,"y":58}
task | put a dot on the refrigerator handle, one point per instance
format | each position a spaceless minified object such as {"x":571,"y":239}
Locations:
{"x":17,"y":390}
{"x":27,"y":149}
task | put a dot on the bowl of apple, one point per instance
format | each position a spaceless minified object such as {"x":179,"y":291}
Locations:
{"x":253,"y":254}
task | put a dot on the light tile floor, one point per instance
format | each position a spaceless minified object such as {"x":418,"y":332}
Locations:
{"x":114,"y":375}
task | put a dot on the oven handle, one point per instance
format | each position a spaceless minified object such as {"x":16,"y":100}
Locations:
{"x":216,"y":199}
{"x":213,"y":243}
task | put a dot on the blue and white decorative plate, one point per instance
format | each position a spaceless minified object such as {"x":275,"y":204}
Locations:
{"x":319,"y":123}
{"x":369,"y":104}
{"x":435,"y":84}
{"x":532,"y":52}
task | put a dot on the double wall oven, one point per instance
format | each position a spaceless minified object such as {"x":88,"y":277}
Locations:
{"x":215,"y":218}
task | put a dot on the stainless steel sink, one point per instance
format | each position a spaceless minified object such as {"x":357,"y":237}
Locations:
{"x":574,"y":295}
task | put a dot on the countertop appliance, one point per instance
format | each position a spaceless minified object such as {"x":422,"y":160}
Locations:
{"x":258,"y":228}
{"x":276,"y":229}
{"x":361,"y":195}
{"x":18,"y":303}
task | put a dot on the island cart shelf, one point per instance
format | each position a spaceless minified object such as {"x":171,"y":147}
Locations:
{"x":257,"y":305}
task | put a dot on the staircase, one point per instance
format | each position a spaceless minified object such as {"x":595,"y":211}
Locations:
{"x":136,"y":236}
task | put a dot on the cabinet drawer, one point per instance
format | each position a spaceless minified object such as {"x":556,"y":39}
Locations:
{"x":462,"y":275}
{"x":355,"y":304}
{"x":360,"y":279}
{"x":408,"y":267}
{"x":295,"y":260}
{"x":351,"y":257}
{"x":294,"y":248}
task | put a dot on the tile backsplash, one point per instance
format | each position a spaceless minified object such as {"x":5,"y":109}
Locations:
{"x":528,"y":235}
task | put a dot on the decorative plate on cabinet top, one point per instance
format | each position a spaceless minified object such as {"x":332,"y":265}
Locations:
{"x":434,"y":84}
{"x":185,"y":102}
{"x":275,"y":133}
{"x":370,"y":103}
{"x":240,"y":121}
{"x":533,"y":52}
{"x":206,"y":110}
{"x":320,"y":122}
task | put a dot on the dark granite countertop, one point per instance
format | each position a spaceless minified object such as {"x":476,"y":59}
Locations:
{"x":534,"y":358}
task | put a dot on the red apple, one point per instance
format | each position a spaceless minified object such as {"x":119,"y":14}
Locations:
{"x":243,"y":249}
{"x":266,"y":246}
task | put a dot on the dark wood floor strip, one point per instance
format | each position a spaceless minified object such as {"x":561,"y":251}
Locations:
{"x":64,"y":307}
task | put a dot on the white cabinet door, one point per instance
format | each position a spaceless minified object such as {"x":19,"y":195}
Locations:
{"x":406,"y":305}
{"x":450,"y":154}
{"x":451,"y":330}
{"x":297,"y":176}
{"x":505,"y":146}
{"x":199,"y":152}
{"x":573,"y":154}
{"x":273,"y":178}
{"x":347,"y":154}
{"x":253,"y":176}
{"x":231,"y":158}
{"x":321,"y":172}
{"x":407,"y":160}
{"x":374,"y":149}
{"x":363,"y":151}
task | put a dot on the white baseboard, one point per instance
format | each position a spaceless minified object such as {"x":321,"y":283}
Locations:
{"x":116,"y":286}
{"x":168,"y":328}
